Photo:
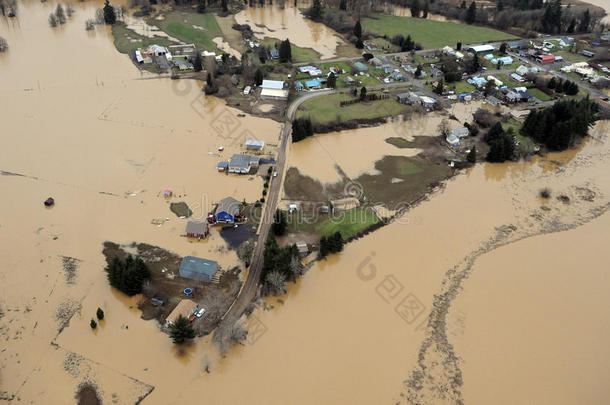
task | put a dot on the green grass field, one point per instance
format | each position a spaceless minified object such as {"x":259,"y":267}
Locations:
{"x":508,"y":81}
{"x":540,"y":95}
{"x":571,"y":57}
{"x":349,"y":222}
{"x":431,"y":34}
{"x":461,"y":87}
{"x":198,"y":29}
{"x":326,"y":109}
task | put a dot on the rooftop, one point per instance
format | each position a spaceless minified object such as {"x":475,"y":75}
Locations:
{"x":273,"y":84}
{"x":229,"y":205}
{"x":240,"y":161}
{"x":184,"y":308}
{"x":192,"y":264}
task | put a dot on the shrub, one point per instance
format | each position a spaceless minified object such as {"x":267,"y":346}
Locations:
{"x":93,"y":324}
{"x":100,"y":314}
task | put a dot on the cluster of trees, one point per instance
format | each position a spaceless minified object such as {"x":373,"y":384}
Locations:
{"x":315,"y":12}
{"x":501,"y":143}
{"x":419,"y":10}
{"x":559,"y":126}
{"x":100,"y":315}
{"x":332,"y":244}
{"x":280,"y":265}
{"x":568,"y":87}
{"x":109,"y":13}
{"x":301,"y":129}
{"x":210,"y":85}
{"x":129,"y":275}
{"x":59,"y":16}
{"x":406,"y":44}
{"x":363,"y":97}
{"x":8,"y":8}
{"x":285,"y":51}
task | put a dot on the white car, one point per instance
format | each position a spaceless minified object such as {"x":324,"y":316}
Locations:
{"x":274,"y":174}
{"x":200,"y":313}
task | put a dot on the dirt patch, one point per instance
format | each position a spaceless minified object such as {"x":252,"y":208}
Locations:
{"x":299,"y":187}
{"x":165,"y":288}
{"x":86,"y":394}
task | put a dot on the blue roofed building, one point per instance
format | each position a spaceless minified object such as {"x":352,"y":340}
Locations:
{"x":361,"y":67}
{"x":196,"y":268}
{"x":313,"y":83}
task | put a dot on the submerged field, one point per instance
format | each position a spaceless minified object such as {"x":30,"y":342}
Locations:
{"x":192,"y":28}
{"x":429,"y":33}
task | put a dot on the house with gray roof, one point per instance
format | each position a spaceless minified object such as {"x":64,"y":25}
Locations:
{"x":196,"y":268}
{"x":226,"y":210}
{"x":240,"y":164}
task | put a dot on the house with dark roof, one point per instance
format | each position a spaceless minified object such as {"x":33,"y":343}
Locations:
{"x":196,"y":268}
{"x":239,"y":163}
{"x":226,"y":210}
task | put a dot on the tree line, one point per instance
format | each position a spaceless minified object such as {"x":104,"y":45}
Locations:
{"x":331,"y":244}
{"x":561,"y":125}
{"x":301,"y":128}
{"x":280,"y":265}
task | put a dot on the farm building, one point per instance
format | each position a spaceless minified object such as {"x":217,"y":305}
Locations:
{"x":273,"y":84}
{"x":196,"y":268}
{"x":460,"y":132}
{"x":187,"y":51}
{"x":361,"y":67}
{"x":544,"y":59}
{"x":185,"y":307}
{"x":275,"y":94}
{"x":408,"y":98}
{"x":254,"y":144}
{"x":481,"y":49}
{"x":239,"y":163}
{"x":196,"y":229}
{"x":226,"y":210}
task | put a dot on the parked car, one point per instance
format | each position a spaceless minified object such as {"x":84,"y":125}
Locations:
{"x":200,"y":313}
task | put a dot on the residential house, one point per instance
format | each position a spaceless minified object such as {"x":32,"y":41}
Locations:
{"x":196,"y":229}
{"x":240,"y":164}
{"x":504,"y":60}
{"x":196,"y":268}
{"x":376,"y":62}
{"x":452,"y":140}
{"x":408,"y":98}
{"x":435,"y":72}
{"x":313,"y":84}
{"x":299,"y":86}
{"x":588,"y":54}
{"x":545,"y":58}
{"x":517,"y":77}
{"x":427,"y":102}
{"x":222,"y":166}
{"x":182,"y":64}
{"x":186,"y":51}
{"x":227,"y":210}
{"x":275,"y":54}
{"x":493,"y":101}
{"x":460,"y":132}
{"x":254,"y":144}
{"x":302,"y":248}
{"x":522,"y":70}
{"x":566,"y":41}
{"x":349,"y":80}
{"x":185,"y":308}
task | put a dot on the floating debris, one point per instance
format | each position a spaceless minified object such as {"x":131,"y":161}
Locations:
{"x":49,"y":202}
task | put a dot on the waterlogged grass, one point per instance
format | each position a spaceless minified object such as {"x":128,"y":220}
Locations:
{"x":192,"y":28}
{"x":431,"y":34}
{"x":327,"y":109}
{"x":348,"y":223}
{"x":126,"y":40}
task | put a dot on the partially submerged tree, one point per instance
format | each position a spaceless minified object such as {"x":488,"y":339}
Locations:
{"x":3,"y":44}
{"x":109,"y":13}
{"x":279,"y":223}
{"x":99,"y":313}
{"x":181,"y":330}
{"x":128,"y":275}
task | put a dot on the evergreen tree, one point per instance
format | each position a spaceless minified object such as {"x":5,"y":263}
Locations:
{"x":181,"y":330}
{"x":60,"y":14}
{"x":418,"y":72}
{"x":201,"y":6}
{"x":362,"y":93}
{"x":471,"y":13}
{"x":209,"y":80}
{"x":503,"y":47}
{"x":500,"y":6}
{"x":472,"y":155}
{"x":415,"y":8}
{"x":439,"y":87}
{"x":315,"y":12}
{"x":359,"y":43}
{"x":490,"y":86}
{"x":463,"y":5}
{"x":358,"y":29}
{"x":331,"y":80}
{"x":458,"y":46}
{"x":99,"y":313}
{"x":585,"y":21}
{"x":198,"y":63}
{"x":285,"y":51}
{"x":426,"y":10}
{"x":279,"y":223}
{"x":572,"y":26}
{"x":93,"y":324}
{"x":224,"y":5}
{"x":258,"y":77}
{"x":552,"y":83}
{"x":127,"y":276}
{"x":343,"y":5}
{"x":476,"y":63}
{"x":109,"y":14}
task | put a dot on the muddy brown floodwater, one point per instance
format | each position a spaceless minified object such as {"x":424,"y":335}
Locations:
{"x":273,"y":21}
{"x":438,"y":307}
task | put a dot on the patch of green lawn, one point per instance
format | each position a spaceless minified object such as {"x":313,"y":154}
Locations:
{"x":508,"y":81}
{"x":327,"y":109}
{"x":462,"y":87}
{"x":571,"y":57}
{"x":539,"y":94}
{"x":191,"y":27}
{"x":348,"y":223}
{"x":429,"y":33}
{"x":299,"y":55}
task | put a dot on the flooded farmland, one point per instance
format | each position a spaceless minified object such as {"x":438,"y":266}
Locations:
{"x":518,"y":281}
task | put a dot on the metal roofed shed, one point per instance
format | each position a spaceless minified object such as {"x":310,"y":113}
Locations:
{"x":196,"y":268}
{"x":254,"y":144}
{"x":273,"y":84}
{"x":361,"y":67}
{"x":481,"y":48}
{"x":459,"y":132}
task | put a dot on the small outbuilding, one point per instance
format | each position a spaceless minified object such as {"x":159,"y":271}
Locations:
{"x":196,"y":268}
{"x":254,"y":144}
{"x":196,"y":229}
{"x":185,"y":307}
